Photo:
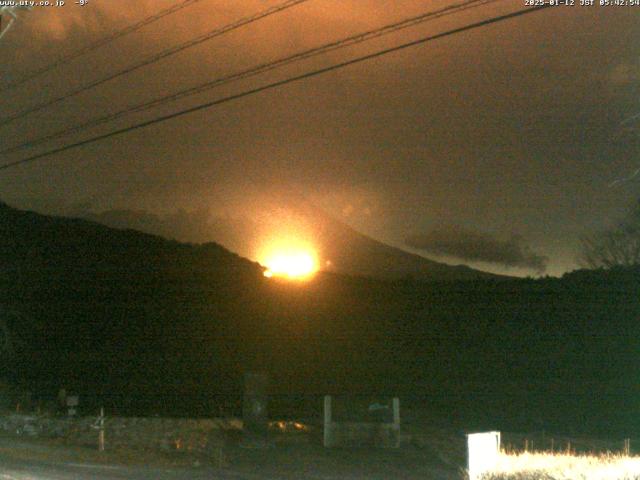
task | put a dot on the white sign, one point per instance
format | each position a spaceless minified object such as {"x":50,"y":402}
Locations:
{"x":484,"y":449}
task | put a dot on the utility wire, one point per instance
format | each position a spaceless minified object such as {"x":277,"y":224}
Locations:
{"x":99,"y":43}
{"x":262,"y":68}
{"x":277,"y":84}
{"x":157,"y":57}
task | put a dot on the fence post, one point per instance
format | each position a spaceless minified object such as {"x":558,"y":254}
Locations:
{"x":328,"y":434}
{"x":99,"y":425}
{"x":396,"y":421}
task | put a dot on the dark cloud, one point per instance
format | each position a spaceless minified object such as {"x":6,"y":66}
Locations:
{"x":473,"y":245}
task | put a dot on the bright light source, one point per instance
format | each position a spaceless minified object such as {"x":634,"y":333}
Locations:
{"x":290,"y":264}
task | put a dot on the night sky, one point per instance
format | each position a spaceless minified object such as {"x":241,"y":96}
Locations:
{"x":498,"y":147}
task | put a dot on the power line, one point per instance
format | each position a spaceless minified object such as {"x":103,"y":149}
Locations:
{"x":99,"y":43}
{"x":11,"y":12}
{"x":157,"y":57}
{"x":262,"y":68}
{"x":277,"y":84}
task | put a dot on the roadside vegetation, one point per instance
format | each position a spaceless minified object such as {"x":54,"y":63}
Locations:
{"x":565,"y":466}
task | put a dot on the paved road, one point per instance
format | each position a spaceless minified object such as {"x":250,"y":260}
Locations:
{"x":16,"y":463}
{"x":27,"y":461}
{"x":18,"y":469}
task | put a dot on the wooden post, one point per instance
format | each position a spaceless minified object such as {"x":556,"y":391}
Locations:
{"x":101,"y":431}
{"x":328,"y":434}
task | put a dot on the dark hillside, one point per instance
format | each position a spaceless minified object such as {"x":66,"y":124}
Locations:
{"x":128,"y":315}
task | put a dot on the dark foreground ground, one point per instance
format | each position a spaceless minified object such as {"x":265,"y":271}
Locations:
{"x":428,"y":457}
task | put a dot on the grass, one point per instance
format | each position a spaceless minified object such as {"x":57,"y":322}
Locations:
{"x":563,"y":466}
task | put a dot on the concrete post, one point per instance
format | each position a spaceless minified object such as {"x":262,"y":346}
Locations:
{"x":254,"y":410}
{"x":396,"y":421}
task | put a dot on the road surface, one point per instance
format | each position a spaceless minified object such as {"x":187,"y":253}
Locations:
{"x":20,"y":469}
{"x":24,"y":460}
{"x":19,"y":461}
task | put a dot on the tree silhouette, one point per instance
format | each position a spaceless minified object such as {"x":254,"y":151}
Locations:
{"x":616,"y":246}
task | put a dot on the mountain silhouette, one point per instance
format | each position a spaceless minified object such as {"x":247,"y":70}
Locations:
{"x":341,"y":249}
